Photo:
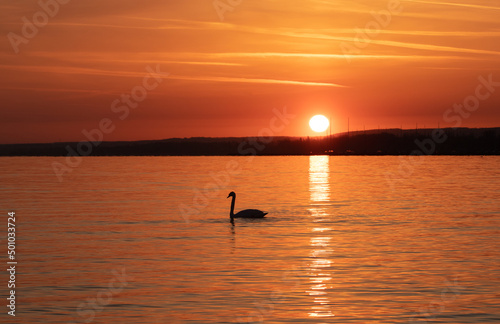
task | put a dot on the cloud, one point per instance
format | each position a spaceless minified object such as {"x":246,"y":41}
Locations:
{"x":454,"y":4}
{"x":255,"y":80}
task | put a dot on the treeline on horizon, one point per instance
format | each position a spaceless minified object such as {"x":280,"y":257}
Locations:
{"x":449,"y":141}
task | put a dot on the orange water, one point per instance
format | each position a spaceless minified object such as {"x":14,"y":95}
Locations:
{"x":340,"y":243}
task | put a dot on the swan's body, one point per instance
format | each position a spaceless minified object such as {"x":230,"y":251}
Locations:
{"x":247,"y":213}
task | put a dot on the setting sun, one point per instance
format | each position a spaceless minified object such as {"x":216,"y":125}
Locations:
{"x":319,"y":123}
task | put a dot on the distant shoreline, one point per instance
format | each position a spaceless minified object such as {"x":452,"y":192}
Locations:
{"x":395,"y":142}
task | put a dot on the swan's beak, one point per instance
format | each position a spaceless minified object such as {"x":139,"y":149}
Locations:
{"x":228,"y":196}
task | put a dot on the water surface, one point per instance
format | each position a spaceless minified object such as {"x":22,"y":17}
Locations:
{"x":148,"y":240}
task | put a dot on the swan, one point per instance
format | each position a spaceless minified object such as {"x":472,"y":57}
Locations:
{"x":247,"y":213}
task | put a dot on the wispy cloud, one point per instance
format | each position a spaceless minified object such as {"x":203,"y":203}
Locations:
{"x":88,"y":25}
{"x":255,"y":80}
{"x":70,"y":70}
{"x":455,"y":4}
{"x":101,"y":72}
{"x":437,"y":48}
{"x":60,"y":90}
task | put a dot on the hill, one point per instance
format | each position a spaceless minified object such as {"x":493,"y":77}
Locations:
{"x":449,"y":141}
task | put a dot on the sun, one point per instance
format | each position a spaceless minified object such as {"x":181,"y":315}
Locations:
{"x":319,"y":123}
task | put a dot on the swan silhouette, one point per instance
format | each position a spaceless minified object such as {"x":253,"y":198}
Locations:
{"x":247,"y":213}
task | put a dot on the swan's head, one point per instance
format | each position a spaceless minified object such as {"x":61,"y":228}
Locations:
{"x":231,"y":194}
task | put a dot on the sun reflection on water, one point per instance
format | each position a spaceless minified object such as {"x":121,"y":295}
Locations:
{"x":319,"y":185}
{"x":320,"y":266}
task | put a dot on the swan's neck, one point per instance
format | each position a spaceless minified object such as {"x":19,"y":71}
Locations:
{"x":231,"y":213}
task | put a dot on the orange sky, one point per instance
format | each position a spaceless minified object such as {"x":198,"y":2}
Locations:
{"x":224,"y":77}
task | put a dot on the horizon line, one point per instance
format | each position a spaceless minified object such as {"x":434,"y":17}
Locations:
{"x":256,"y":136}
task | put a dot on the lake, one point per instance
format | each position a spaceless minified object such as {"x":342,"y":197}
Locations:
{"x":348,"y":239}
